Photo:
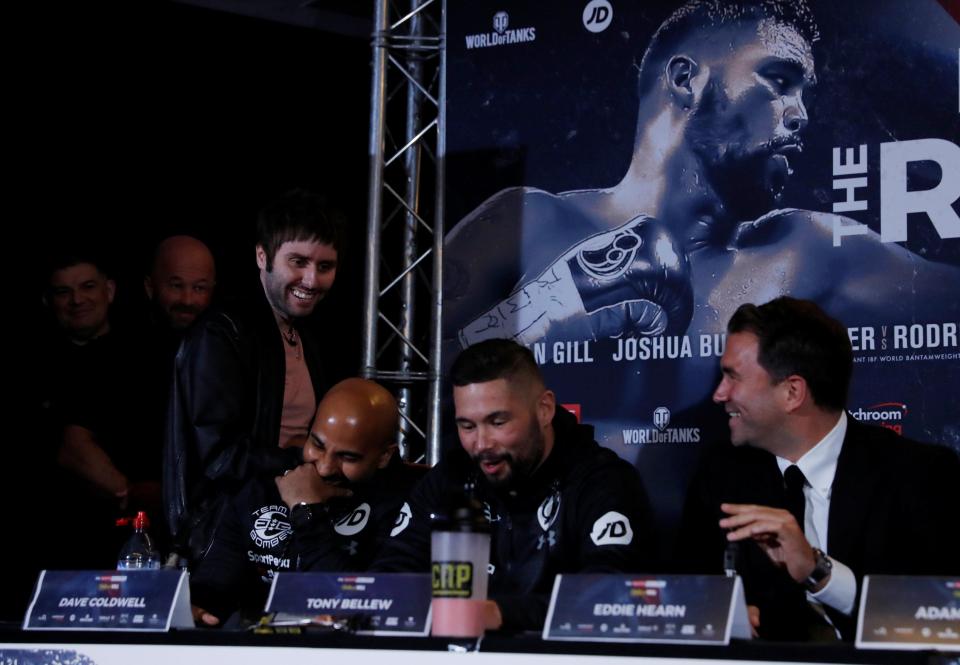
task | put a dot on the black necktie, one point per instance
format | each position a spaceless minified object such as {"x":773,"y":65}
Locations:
{"x":820,"y":626}
{"x":794,"y":480}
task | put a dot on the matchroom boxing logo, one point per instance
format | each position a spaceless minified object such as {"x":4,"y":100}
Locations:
{"x":885,"y":414}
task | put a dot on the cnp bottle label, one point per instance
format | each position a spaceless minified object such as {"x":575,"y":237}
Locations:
{"x":452,"y":579}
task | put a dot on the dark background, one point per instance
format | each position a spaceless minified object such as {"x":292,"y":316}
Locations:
{"x":131,"y":121}
{"x":150,"y":118}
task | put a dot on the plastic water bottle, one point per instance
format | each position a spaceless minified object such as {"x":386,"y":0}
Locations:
{"x":460,"y":553}
{"x":138,"y":552}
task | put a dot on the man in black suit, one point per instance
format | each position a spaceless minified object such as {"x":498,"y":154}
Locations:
{"x":806,"y":500}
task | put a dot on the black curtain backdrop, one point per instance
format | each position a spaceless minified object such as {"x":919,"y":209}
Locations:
{"x":132,"y":121}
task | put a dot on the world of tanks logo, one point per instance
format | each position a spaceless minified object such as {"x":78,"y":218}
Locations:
{"x":661,"y":432}
{"x":501,"y":35}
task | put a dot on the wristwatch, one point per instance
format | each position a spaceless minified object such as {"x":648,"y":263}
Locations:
{"x":822,"y":567}
{"x":301,"y":515}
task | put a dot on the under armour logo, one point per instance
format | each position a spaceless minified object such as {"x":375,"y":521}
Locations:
{"x":489,"y":514}
{"x":550,"y":540}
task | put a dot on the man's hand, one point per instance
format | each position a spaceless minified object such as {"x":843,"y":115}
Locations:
{"x":753,"y":615}
{"x":203,"y":618}
{"x":304,"y":485}
{"x":776,"y":532}
{"x":492,"y":618}
{"x":82,"y":454}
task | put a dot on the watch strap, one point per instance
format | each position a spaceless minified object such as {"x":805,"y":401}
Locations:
{"x":301,"y":515}
{"x":822,"y":568}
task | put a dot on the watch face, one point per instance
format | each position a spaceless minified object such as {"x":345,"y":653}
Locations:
{"x":300,"y":515}
{"x":824,"y":561}
{"x":821,"y":568}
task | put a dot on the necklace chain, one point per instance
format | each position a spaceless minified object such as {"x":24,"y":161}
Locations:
{"x":290,"y":335}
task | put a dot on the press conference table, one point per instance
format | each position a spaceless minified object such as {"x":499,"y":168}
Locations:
{"x":185,"y":647}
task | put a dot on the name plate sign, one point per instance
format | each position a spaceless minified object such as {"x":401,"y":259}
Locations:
{"x":132,"y":600}
{"x":389,"y":603}
{"x":675,"y":609}
{"x":903,"y":612}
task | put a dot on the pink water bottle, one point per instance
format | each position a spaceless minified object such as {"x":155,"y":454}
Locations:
{"x":460,"y":553}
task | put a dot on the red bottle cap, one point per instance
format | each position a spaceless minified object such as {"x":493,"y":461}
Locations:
{"x":141,"y":521}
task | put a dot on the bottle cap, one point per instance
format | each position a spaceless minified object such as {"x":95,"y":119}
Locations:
{"x":461,"y":513}
{"x":141,"y":521}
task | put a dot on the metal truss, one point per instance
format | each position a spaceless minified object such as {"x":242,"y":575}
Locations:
{"x":402,"y":299}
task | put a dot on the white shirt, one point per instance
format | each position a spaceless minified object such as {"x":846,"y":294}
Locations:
{"x":819,"y":466}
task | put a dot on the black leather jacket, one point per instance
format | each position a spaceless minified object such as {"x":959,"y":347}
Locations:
{"x":223,"y":418}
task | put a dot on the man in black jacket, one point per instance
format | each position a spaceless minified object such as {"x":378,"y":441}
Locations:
{"x":556,"y":501}
{"x":247,"y":379}
{"x":806,"y":500}
{"x":328,"y":514}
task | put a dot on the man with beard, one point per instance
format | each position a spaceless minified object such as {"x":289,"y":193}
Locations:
{"x":666,"y":250}
{"x":327,"y":514}
{"x":721,"y":112}
{"x":248,"y":377}
{"x":556,"y":501}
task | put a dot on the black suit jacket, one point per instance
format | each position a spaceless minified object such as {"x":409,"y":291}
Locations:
{"x":894,"y":509}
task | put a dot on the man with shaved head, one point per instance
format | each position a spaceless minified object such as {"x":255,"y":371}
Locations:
{"x":329,"y":513}
{"x":181,"y":280}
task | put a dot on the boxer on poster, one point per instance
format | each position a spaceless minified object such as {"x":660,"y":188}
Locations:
{"x":692,"y":230}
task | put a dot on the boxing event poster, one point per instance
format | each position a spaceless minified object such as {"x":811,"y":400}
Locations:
{"x":611,"y":213}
